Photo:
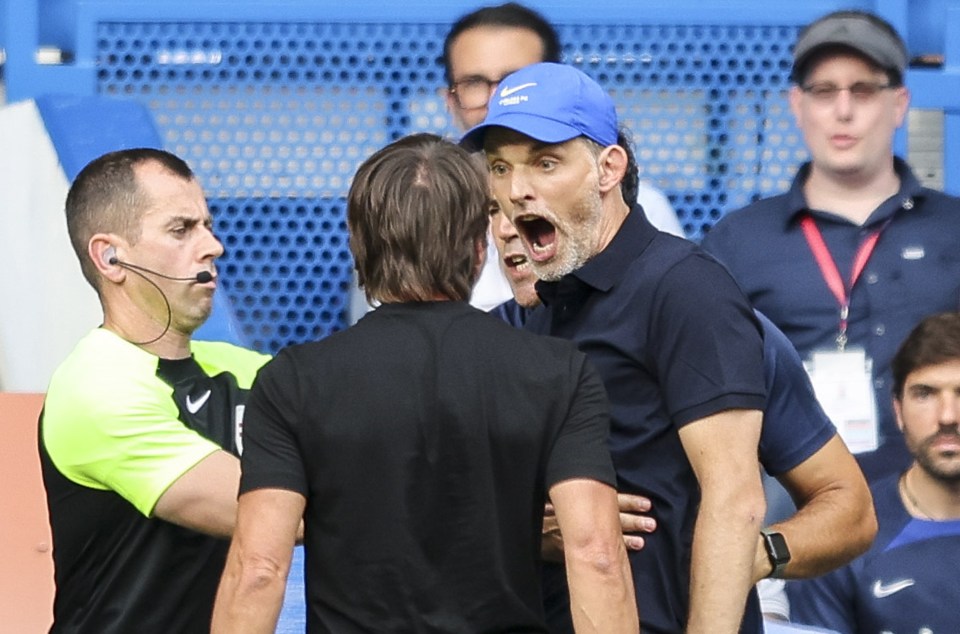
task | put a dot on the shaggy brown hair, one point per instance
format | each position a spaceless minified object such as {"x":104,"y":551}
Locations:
{"x":934,"y":340}
{"x":417,"y":210}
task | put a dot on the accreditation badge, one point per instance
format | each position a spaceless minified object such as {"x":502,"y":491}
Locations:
{"x":843,"y":383}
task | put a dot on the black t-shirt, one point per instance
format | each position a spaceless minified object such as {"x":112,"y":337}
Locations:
{"x":425,"y":439}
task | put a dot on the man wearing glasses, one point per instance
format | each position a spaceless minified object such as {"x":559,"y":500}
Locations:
{"x":857,"y":252}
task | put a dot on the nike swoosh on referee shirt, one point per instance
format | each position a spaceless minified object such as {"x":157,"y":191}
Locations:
{"x":506,"y":92}
{"x":193,"y":406}
{"x":880,"y":590}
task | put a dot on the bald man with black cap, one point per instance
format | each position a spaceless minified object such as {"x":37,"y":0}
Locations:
{"x":857,"y":252}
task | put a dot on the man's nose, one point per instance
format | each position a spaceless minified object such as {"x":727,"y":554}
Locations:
{"x":503,"y":229}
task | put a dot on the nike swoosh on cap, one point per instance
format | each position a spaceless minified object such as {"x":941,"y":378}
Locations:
{"x":506,"y":92}
{"x":193,"y":406}
{"x":880,"y":590}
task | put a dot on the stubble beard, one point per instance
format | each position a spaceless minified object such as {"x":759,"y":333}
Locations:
{"x":582,"y":236}
{"x":942,"y":469}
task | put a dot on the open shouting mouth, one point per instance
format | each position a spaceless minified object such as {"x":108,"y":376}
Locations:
{"x":516,"y":262}
{"x":539,"y":235}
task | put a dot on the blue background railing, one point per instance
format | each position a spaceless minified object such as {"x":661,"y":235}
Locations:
{"x":274,"y":104}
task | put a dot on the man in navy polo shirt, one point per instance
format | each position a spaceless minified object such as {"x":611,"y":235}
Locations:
{"x":857,"y":252}
{"x":907,"y":582}
{"x":686,"y":385}
{"x":799,"y":446}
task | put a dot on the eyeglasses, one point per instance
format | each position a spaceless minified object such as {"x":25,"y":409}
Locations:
{"x":474,"y":92}
{"x":861,"y":92}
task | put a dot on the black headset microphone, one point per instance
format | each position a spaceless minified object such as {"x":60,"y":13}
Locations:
{"x":200,"y":278}
{"x":110,"y":256}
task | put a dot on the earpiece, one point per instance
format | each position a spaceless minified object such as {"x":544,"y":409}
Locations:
{"x":110,"y":256}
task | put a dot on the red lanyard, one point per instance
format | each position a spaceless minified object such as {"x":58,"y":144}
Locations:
{"x":831,"y":275}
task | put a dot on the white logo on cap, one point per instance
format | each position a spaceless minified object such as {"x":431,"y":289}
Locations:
{"x":506,"y":92}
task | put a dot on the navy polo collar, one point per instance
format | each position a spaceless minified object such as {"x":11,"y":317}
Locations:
{"x":910,"y":189}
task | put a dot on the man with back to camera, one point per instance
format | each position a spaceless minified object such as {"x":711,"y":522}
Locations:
{"x":632,"y":298}
{"x":857,"y":252}
{"x":423,"y":477}
{"x":481,"y":48}
{"x":140,"y":430}
{"x":907,"y":582}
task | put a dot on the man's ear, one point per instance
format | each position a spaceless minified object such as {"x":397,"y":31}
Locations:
{"x":481,"y":249}
{"x":450,"y":101}
{"x":903,"y":104}
{"x":613,"y":167}
{"x":794,"y":97}
{"x":898,"y":411}
{"x":444,"y":93}
{"x":102,"y":251}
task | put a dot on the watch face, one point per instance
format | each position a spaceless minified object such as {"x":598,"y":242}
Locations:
{"x":777,"y":548}
{"x":777,"y":551}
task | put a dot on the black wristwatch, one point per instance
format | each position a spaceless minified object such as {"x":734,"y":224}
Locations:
{"x":777,"y":551}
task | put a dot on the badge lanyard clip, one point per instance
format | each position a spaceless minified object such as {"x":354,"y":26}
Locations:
{"x":831,"y":275}
{"x":842,"y":332}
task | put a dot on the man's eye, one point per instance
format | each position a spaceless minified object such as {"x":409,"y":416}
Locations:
{"x":823,"y":90}
{"x":863,"y":90}
{"x":922,"y":393}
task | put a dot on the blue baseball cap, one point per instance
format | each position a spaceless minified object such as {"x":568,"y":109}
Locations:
{"x":551,"y":103}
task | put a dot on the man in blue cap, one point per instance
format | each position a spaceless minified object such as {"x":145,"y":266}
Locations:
{"x":686,"y":386}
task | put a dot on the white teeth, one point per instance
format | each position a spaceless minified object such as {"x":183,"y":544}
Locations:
{"x":518,"y":262}
{"x":538,"y":248}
